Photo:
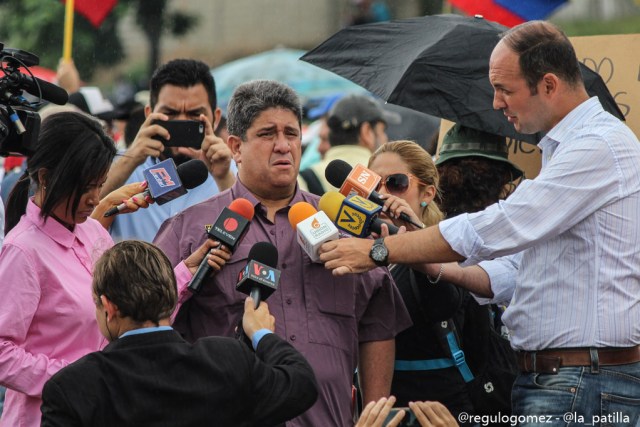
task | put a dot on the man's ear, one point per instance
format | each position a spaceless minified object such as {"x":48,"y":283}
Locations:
{"x":366,"y":135}
{"x":216,"y":118}
{"x":147,"y":110}
{"x":109,"y":307}
{"x":550,"y":83}
{"x":235,"y":143}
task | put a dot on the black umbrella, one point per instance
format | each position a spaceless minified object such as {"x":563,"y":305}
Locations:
{"x":436,"y":64}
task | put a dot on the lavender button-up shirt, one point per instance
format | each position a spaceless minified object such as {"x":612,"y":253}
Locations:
{"x":323,"y":316}
{"x":47,"y":314}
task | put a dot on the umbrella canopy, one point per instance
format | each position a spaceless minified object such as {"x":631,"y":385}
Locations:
{"x":282,"y":65}
{"x":436,"y":64}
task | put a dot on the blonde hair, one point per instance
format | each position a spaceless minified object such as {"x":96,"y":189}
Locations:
{"x":421,"y":165}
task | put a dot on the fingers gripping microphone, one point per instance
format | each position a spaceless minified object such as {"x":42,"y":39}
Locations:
{"x":167,"y":183}
{"x":313,"y":228}
{"x":358,"y":180}
{"x":229,"y":229}
{"x":259,"y":278}
{"x":354,"y":214}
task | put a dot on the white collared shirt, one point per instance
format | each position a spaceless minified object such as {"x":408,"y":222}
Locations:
{"x":578,"y":225}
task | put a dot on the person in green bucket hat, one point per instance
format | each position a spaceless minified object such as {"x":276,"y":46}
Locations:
{"x":475,"y":170}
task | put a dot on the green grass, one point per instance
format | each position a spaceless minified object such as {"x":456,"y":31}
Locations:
{"x":627,"y":25}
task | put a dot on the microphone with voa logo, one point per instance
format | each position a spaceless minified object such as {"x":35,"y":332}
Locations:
{"x":166,"y":182}
{"x":229,"y":229}
{"x":313,"y":228}
{"x":259,"y":279}
{"x":354,"y":214}
{"x":358,"y":180}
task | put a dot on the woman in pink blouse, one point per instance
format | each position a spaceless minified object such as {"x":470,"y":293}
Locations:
{"x":47,"y":315}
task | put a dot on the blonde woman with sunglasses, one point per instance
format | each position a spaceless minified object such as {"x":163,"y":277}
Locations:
{"x":422,"y":372}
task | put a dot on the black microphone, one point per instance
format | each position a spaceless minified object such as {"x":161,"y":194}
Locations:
{"x":43,"y":89}
{"x":259,"y":278}
{"x":229,"y":229}
{"x":357,"y":180}
{"x":191,"y":174}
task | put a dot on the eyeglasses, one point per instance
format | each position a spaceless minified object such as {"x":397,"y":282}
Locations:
{"x":398,"y":183}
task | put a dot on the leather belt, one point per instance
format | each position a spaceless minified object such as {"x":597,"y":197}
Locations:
{"x":549,"y":361}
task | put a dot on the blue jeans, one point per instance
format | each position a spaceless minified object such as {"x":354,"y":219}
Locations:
{"x":578,"y":396}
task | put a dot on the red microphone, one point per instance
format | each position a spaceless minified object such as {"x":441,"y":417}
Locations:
{"x":229,"y":229}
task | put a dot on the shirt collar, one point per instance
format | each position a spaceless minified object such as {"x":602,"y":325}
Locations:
{"x":52,"y":228}
{"x":566,"y":126}
{"x":240,"y":190}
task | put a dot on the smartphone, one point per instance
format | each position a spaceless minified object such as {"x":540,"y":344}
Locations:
{"x":184,"y":133}
{"x":409,"y":419}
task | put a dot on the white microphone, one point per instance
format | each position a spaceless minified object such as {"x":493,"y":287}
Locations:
{"x":313,"y":228}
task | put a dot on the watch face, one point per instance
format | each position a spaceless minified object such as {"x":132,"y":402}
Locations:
{"x":379,"y":252}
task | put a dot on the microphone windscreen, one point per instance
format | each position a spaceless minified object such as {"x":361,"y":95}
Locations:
{"x":192,"y":173}
{"x":330,"y":203}
{"x":299,"y":212}
{"x":265,"y":253}
{"x":243,"y":207}
{"x":337,"y":172}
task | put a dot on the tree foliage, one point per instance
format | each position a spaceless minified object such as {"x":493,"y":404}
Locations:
{"x":37,"y":26}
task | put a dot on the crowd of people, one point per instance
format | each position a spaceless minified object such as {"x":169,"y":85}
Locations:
{"x":99,"y":326}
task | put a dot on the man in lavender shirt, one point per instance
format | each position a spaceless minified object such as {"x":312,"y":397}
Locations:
{"x":337,"y":323}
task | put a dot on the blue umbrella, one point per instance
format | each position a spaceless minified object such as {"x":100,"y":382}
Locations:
{"x":283,"y":65}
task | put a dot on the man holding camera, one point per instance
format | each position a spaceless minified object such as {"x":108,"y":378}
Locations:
{"x":182,"y":89}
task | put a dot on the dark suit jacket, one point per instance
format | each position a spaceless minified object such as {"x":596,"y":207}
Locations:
{"x":159,"y":379}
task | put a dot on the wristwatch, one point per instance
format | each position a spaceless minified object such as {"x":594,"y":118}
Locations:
{"x":379,"y":252}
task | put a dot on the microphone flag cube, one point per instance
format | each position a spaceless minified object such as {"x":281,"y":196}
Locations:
{"x":356,"y":215}
{"x":164,"y":182}
{"x":258,"y":274}
{"x":314,"y":231}
{"x":360,"y":181}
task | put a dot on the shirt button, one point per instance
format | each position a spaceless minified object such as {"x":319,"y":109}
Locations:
{"x":284,"y":265}
{"x":289,"y":301}
{"x":272,"y":232}
{"x":292,"y":337}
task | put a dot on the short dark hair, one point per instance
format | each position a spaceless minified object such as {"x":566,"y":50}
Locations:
{"x":543,"y":48}
{"x":252,"y":98}
{"x":470,"y":184}
{"x":182,"y":73}
{"x":138,"y":278}
{"x":75,"y":151}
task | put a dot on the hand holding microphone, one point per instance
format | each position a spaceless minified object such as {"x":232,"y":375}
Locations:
{"x":360,"y":181}
{"x":228,"y":230}
{"x":166,"y":182}
{"x":313,"y":228}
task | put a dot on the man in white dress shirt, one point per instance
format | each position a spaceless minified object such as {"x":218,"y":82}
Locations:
{"x":575,"y":312}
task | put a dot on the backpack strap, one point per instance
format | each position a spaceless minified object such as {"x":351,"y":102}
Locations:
{"x":313,"y":183}
{"x":447,"y":337}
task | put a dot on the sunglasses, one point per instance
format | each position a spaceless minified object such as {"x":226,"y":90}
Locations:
{"x":398,"y":183}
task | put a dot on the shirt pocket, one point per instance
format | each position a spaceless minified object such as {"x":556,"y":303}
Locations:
{"x":330,"y":303}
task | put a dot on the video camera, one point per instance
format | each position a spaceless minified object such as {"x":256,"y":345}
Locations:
{"x":19,"y":121}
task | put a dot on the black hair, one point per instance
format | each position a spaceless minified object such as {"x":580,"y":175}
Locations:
{"x":74,"y":151}
{"x":182,"y":73}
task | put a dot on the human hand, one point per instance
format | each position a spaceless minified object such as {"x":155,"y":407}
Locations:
{"x":255,"y":319}
{"x":376,"y":412}
{"x":394,"y":206}
{"x":216,"y":253}
{"x":145,"y":145}
{"x":67,"y":76}
{"x":348,"y":255}
{"x":131,"y":195}
{"x":215,"y":152}
{"x":432,"y":414}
